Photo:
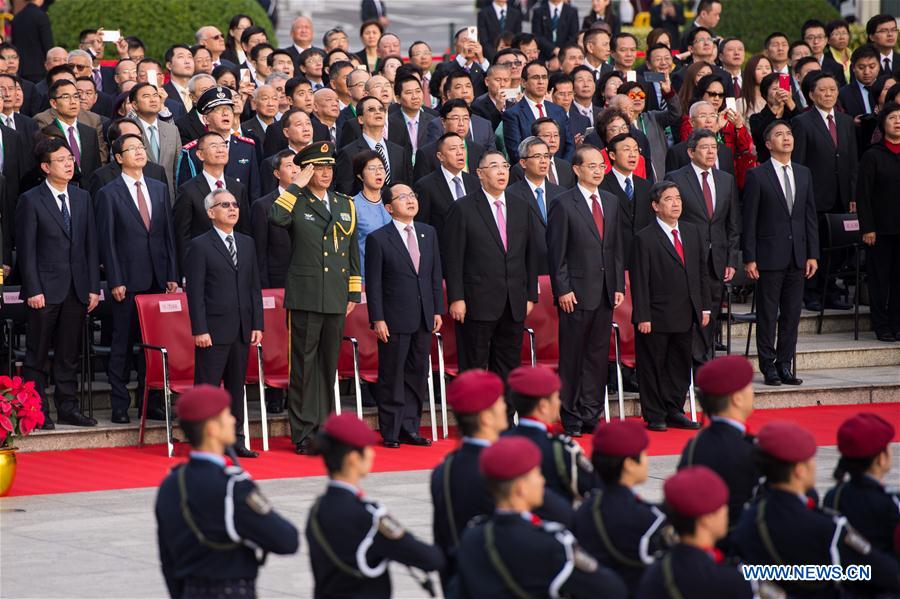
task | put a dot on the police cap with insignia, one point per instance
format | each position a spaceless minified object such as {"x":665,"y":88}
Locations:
{"x":786,"y":441}
{"x":473,"y":391}
{"x":535,"y":381}
{"x":318,"y":152}
{"x":346,"y":428}
{"x":620,"y":438}
{"x":213,"y":97}
{"x":202,"y":403}
{"x":724,"y":376}
{"x":864,"y":436}
{"x":695,"y":491}
{"x":509,"y":458}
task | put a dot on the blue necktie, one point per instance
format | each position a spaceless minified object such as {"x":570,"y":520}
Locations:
{"x":67,"y":218}
{"x":629,"y":189}
{"x":554,"y":21}
{"x":541,"y":204}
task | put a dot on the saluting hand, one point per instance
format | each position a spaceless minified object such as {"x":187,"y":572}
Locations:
{"x":303,"y":177}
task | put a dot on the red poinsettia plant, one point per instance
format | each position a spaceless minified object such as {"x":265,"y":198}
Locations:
{"x":20,"y":409}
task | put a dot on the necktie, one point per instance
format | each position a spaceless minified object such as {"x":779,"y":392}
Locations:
{"x":887,"y":64}
{"x":67,"y":218}
{"x":414,"y":134}
{"x":541,"y":204}
{"x":737,"y":87}
{"x":331,"y":134}
{"x":540,"y":109}
{"x":550,"y":176}
{"x":707,"y":194}
{"x":597,"y":213}
{"x":326,"y":203}
{"x":679,"y":249}
{"x":832,"y":128}
{"x":219,"y":185}
{"x":501,"y":223}
{"x":457,"y":183}
{"x":629,"y":189}
{"x":554,"y":21}
{"x":142,"y":205}
{"x":98,"y":78}
{"x":379,"y":149}
{"x":154,"y":144}
{"x":412,"y":244}
{"x":186,"y":100}
{"x":503,"y":21}
{"x":788,"y":191}
{"x":10,"y":122}
{"x":231,"y":250}
{"x":73,"y":145}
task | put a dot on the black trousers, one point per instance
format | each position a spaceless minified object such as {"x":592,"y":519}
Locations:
{"x":883,"y":266}
{"x":402,"y":383}
{"x":125,"y":333}
{"x":59,"y":326}
{"x":779,"y":299}
{"x":664,"y":372}
{"x":583,"y":364}
{"x":226,"y":365}
{"x":705,"y":338}
{"x":315,"y":344}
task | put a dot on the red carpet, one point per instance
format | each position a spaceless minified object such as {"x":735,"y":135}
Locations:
{"x":129,"y":467}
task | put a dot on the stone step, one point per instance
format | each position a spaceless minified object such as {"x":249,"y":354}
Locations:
{"x":835,"y":321}
{"x":833,"y":350}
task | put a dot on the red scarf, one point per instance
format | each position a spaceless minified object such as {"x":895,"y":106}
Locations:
{"x":895,"y":148}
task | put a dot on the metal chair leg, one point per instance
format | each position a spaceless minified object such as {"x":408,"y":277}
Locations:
{"x":530,"y":333}
{"x":434,"y":434}
{"x":440,"y":346}
{"x":337,"y":394}
{"x":691,"y":396}
{"x":264,"y":416}
{"x":619,"y":383}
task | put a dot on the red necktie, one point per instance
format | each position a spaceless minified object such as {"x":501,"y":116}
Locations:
{"x":598,"y":215}
{"x":832,"y":128}
{"x":737,"y":88}
{"x":540,"y":108}
{"x":707,"y":194}
{"x":219,"y":185}
{"x":143,"y":209}
{"x":679,"y":249}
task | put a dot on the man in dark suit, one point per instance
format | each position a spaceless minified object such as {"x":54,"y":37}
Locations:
{"x":560,"y":171}
{"x":517,"y":119}
{"x":491,"y":270}
{"x":455,"y":118}
{"x":406,"y":299}
{"x":398,"y":161}
{"x":225,"y":303}
{"x":408,"y":126}
{"x":584,"y":243}
{"x":446,"y":182}
{"x":670,"y":296}
{"x":374,"y":10}
{"x":855,"y":97}
{"x":457,"y":87}
{"x":881,"y":31}
{"x":189,"y":209}
{"x":709,"y":201}
{"x":494,"y":19}
{"x":32,"y":35}
{"x":780,"y":245}
{"x":633,"y":191}
{"x":490,"y":105}
{"x":13,"y":163}
{"x":469,"y":58}
{"x":554,"y":23}
{"x":137,"y":250}
{"x":58,"y":262}
{"x":112,"y":170}
{"x":81,"y":139}
{"x":668,"y":15}
{"x":190,"y":127}
{"x":539,"y":193}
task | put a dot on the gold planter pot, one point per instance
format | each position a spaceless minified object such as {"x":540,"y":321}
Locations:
{"x":7,"y":469}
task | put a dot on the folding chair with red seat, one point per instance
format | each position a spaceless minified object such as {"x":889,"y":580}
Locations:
{"x":444,"y":354}
{"x":359,"y":359}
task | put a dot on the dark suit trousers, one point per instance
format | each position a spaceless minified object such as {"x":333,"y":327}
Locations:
{"x":883,"y":266}
{"x":664,"y":373}
{"x":583,"y":364}
{"x":402,"y":383}
{"x":315,"y":344}
{"x":705,"y":339}
{"x":778,"y":303}
{"x":61,"y":326}
{"x":225,"y":364}
{"x":125,"y":333}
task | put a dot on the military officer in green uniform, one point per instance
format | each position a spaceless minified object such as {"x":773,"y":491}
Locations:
{"x":323,"y":285}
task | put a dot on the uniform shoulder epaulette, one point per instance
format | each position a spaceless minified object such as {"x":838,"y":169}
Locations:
{"x":551,"y":526}
{"x":341,"y":195}
{"x":190,"y":145}
{"x":244,"y":139}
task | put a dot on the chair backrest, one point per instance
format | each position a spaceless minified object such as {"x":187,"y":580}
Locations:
{"x":13,"y":307}
{"x":841,"y":231}
{"x":276,"y":356}
{"x":448,"y":338}
{"x":544,"y":320}
{"x":357,"y":326}
{"x":165,"y":322}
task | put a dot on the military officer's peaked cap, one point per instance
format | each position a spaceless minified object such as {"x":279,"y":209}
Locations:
{"x":695,"y":491}
{"x":202,"y":403}
{"x":509,"y":458}
{"x":346,"y":428}
{"x":318,"y":152}
{"x":213,"y":97}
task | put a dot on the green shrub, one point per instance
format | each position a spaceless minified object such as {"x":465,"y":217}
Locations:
{"x":753,"y":20}
{"x":159,"y":23}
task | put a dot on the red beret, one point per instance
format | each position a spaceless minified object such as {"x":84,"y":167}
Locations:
{"x":786,"y":441}
{"x":695,"y":491}
{"x":474,"y":391}
{"x":620,"y":438}
{"x":864,"y":435}
{"x":725,"y":375}
{"x":350,"y":430}
{"x":509,"y":458}
{"x":536,"y":381}
{"x":201,"y":403}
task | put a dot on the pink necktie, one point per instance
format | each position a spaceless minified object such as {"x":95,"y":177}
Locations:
{"x":412,"y":244}
{"x":142,"y":205}
{"x":501,"y":223}
{"x":414,"y":135}
{"x":73,"y":146}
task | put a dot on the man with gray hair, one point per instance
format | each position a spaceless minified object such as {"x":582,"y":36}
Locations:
{"x":225,"y":304}
{"x":212,"y":39}
{"x":265,"y":103}
{"x":703,"y":115}
{"x":190,"y":127}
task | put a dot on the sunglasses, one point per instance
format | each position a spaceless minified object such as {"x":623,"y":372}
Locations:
{"x":715,"y":94}
{"x":227,"y":205}
{"x":637,"y":95}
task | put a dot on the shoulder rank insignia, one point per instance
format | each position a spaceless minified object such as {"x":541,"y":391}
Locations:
{"x":308,"y":216}
{"x":244,"y":139}
{"x":190,"y":145}
{"x":390,"y":528}
{"x":257,"y":502}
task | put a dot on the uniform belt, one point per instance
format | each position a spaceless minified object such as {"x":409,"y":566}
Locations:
{"x":204,"y":588}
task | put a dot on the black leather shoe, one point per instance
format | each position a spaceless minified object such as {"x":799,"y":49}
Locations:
{"x":659,"y":427}
{"x":302,"y":447}
{"x":572,"y":433}
{"x":813,"y":305}
{"x":154,"y":413}
{"x":120,"y":417}
{"x":887,"y":337}
{"x":836,"y":304}
{"x":275,"y":407}
{"x":682,"y":421}
{"x":771,"y":379}
{"x":392,"y":444}
{"x":416,"y":440}
{"x":243,"y":452}
{"x":48,"y":424}
{"x":787,"y":377}
{"x":76,"y":418}
{"x":721,"y":346}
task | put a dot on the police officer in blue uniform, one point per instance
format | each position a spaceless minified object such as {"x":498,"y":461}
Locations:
{"x":513,"y":553}
{"x":214,"y":525}
{"x":613,"y":524}
{"x":216,"y":106}
{"x":352,"y":539}
{"x":534,"y":392}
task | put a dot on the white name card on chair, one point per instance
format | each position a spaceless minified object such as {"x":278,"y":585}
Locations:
{"x":851,"y":225}
{"x":268,"y":303}
{"x":12,"y":297}
{"x":166,"y":306}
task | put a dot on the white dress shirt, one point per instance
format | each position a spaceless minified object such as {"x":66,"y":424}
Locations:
{"x":533,"y":106}
{"x":223,"y":235}
{"x":587,"y":198}
{"x":621,"y":179}
{"x":490,"y":200}
{"x":450,"y":176}
{"x":498,"y":8}
{"x":779,"y":173}
{"x":534,"y":188}
{"x":132,"y":189}
{"x":865,"y":96}
{"x":698,"y":172}
{"x":56,"y":193}
{"x":401,"y":229}
{"x":825,"y":115}
{"x":371,"y":142}
{"x":461,"y":61}
{"x":211,"y":181}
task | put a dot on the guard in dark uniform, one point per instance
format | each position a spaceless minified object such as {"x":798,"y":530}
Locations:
{"x":323,"y":285}
{"x":513,"y":553}
{"x":534,"y":392}
{"x":613,"y":524}
{"x":726,"y":386}
{"x":865,"y":462}
{"x":352,"y":539}
{"x":784,"y":528}
{"x":242,"y":163}
{"x":214,"y":525}
{"x":697,"y":508}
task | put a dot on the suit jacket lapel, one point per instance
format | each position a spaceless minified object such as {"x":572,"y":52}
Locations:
{"x":482,"y":204}
{"x":697,"y":194}
{"x":773,"y":179}
{"x":819,"y":125}
{"x":667,"y":243}
{"x":50,"y":204}
{"x":220,"y":245}
{"x":125,"y":194}
{"x":394,"y":236}
{"x":581,"y":206}
{"x":721,"y":191}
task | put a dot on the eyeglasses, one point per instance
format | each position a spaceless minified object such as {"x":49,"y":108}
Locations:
{"x":140,"y":148}
{"x":887,"y":31}
{"x":216,"y":37}
{"x":513,"y":63}
{"x":406,"y":196}
{"x":376,"y":109}
{"x":637,"y":95}
{"x":594,"y":166}
{"x":375,"y":169}
{"x":68,"y":97}
{"x":227,"y":205}
{"x":545,"y":156}
{"x":64,"y":160}
{"x":81,"y":67}
{"x":214,"y":146}
{"x":538,"y":77}
{"x":457,"y":118}
{"x":702,"y":40}
{"x":815,"y":38}
{"x":714,"y":94}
